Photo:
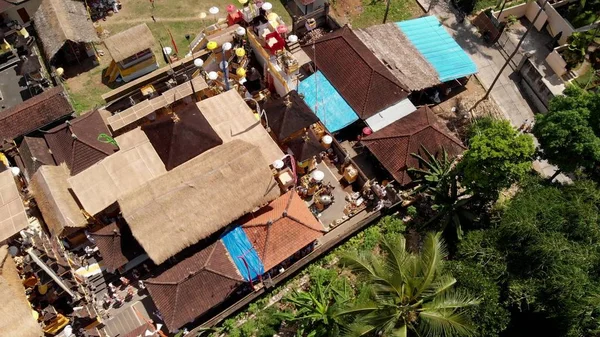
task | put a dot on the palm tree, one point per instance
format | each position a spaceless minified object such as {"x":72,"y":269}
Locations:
{"x":409,"y":292}
{"x":438,"y":180}
{"x":317,"y":309}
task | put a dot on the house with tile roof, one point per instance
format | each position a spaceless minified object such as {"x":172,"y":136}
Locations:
{"x":35,"y":113}
{"x":81,"y":142}
{"x":193,"y":286}
{"x":348,"y":69}
{"x":394,"y":144}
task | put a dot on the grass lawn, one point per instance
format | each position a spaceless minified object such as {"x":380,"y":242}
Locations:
{"x":181,"y":17}
{"x":364,"y":13}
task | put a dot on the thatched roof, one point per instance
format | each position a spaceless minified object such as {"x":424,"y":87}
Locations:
{"x":51,"y":192}
{"x":16,"y":319}
{"x":12,"y":212}
{"x":124,"y":171}
{"x":198,"y":198}
{"x":59,"y":21}
{"x":395,"y":50}
{"x":129,"y":42}
{"x":231,"y":118}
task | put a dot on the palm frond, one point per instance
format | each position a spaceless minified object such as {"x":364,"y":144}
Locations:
{"x":432,"y":254}
{"x":439,"y":285}
{"x":440,"y":323}
{"x":450,"y":300}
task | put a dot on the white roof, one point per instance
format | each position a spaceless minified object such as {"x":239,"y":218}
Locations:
{"x":388,"y":116}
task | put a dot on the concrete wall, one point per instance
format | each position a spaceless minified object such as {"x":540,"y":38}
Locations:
{"x":30,"y":6}
{"x":532,"y":81}
{"x":557,"y":63}
{"x":532,"y":10}
{"x":518,"y":11}
{"x":557,"y":24}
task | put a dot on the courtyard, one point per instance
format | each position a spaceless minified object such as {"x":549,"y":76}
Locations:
{"x":181,"y":17}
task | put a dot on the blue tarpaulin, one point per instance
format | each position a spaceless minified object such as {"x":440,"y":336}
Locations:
{"x":243,"y":254}
{"x":439,"y":48}
{"x":326,"y":102}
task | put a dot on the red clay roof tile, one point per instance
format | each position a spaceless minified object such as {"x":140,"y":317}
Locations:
{"x":356,"y":73}
{"x":282,"y":228}
{"x":394,"y":144}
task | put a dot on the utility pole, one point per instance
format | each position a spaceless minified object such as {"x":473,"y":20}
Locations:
{"x":501,"y":9}
{"x":387,"y":9}
{"x":487,"y":93}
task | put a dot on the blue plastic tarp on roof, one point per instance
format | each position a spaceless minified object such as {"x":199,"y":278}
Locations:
{"x":243,"y":254}
{"x":326,"y":102}
{"x":439,"y":48}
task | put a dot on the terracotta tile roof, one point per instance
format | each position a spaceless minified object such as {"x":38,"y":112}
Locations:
{"x":34,"y":152}
{"x":284,"y":119}
{"x":280,"y":229}
{"x":34,"y":113}
{"x":305,"y":146}
{"x":393,"y":144}
{"x":173,"y":134}
{"x":193,"y":286}
{"x":76,"y":142}
{"x":116,"y":245}
{"x":357,"y":74}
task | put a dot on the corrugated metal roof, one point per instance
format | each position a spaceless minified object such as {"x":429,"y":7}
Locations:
{"x":326,"y":102}
{"x":439,"y":48}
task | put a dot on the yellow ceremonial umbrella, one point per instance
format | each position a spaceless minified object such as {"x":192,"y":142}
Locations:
{"x":212,"y":45}
{"x":240,"y":52}
{"x":241,"y":72}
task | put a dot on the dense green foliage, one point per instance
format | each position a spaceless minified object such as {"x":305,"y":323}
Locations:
{"x":497,"y":158}
{"x":568,"y":133}
{"x":543,"y":255}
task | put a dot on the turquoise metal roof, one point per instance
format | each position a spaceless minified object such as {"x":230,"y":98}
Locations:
{"x":326,"y":102}
{"x":439,"y":48}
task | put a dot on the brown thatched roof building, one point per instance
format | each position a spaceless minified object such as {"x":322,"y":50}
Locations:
{"x":124,"y":171}
{"x":34,"y":153}
{"x":356,"y":73}
{"x":79,"y":142}
{"x":16,"y":318}
{"x":116,"y":245}
{"x":193,"y":286}
{"x":393,"y":145}
{"x":181,"y":136}
{"x":395,"y":50}
{"x":51,"y":192}
{"x":12,"y":212}
{"x":59,"y":21}
{"x":281,"y":229}
{"x":34,"y":113}
{"x":198,"y":198}
{"x":289,"y":115}
{"x":129,"y":42}
{"x":231,"y":118}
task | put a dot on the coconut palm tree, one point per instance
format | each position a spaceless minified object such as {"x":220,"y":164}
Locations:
{"x":410,"y":293}
{"x":438,"y":180}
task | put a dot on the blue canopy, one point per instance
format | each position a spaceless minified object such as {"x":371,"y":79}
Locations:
{"x":439,"y":48}
{"x":326,"y":102}
{"x":243,"y":254}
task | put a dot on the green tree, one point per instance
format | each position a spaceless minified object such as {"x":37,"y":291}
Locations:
{"x":410,"y":293}
{"x":568,"y":133}
{"x":567,"y":140}
{"x":497,"y":158}
{"x":317,"y":309}
{"x":437,"y":179}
